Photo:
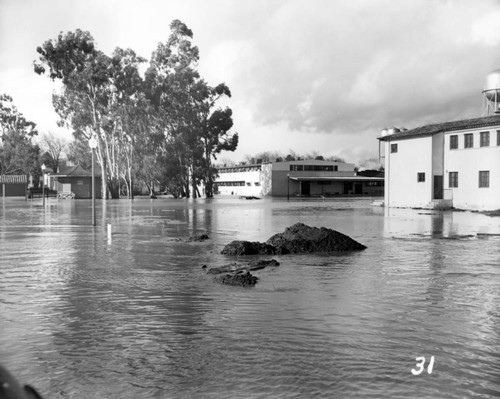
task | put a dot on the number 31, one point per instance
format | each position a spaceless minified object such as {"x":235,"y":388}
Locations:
{"x":420,"y":365}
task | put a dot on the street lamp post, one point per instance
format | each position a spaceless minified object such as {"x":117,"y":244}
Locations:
{"x":93,"y":146}
{"x":43,"y":167}
{"x":288,"y":187}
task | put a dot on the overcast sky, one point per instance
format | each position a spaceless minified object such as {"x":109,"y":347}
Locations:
{"x":306,"y":75}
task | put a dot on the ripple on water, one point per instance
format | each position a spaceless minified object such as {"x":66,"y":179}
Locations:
{"x":134,"y":315}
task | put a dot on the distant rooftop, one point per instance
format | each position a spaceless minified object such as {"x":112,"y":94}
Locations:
{"x":429,"y":130}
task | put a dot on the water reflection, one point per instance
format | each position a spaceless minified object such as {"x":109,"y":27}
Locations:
{"x":83,"y":316}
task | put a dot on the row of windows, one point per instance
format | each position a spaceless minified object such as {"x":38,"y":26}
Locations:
{"x":484,"y":140}
{"x":236,"y":183}
{"x":316,"y":168}
{"x":240,"y":169}
{"x":484,"y":178}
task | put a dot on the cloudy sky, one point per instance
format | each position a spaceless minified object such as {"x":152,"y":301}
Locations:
{"x":306,"y":75}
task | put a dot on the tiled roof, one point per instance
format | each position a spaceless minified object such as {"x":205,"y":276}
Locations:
{"x":429,"y":130}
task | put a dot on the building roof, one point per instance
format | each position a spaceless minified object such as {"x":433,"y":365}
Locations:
{"x":76,"y":171}
{"x":429,"y":130}
{"x":336,"y":178}
{"x":13,"y":179}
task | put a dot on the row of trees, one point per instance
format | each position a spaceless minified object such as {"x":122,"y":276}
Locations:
{"x":158,"y":126}
{"x":277,"y":156}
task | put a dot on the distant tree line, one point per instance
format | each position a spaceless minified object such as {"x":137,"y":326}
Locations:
{"x":160,"y":127}
{"x":277,"y":156}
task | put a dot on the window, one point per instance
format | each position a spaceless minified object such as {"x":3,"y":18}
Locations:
{"x":484,"y":178}
{"x":315,"y":168}
{"x":498,"y":137}
{"x":468,"y":140}
{"x":484,"y":139}
{"x":453,"y":142}
{"x":420,"y":177}
{"x":394,"y":148}
{"x":453,"y":179}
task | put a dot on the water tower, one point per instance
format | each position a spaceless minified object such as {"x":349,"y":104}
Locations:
{"x":491,"y":94}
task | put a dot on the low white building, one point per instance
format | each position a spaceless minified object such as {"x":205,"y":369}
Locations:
{"x":451,"y":164}
{"x":298,"y":178}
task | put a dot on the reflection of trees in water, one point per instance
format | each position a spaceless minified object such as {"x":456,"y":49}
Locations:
{"x":132,"y":307}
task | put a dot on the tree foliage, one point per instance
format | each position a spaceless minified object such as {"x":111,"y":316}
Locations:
{"x":161,"y":127}
{"x":54,"y":147}
{"x":18,"y":153}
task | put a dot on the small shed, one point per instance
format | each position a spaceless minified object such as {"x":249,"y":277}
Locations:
{"x":13,"y":185}
{"x":76,"y":180}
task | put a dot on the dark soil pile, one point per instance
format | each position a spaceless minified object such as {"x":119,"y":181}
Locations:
{"x":238,"y":274}
{"x":241,"y":279}
{"x":296,"y":239}
{"x":301,"y":238}
{"x":198,"y":237}
{"x":248,"y":248}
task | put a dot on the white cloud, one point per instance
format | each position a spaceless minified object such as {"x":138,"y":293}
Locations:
{"x":316,"y":75}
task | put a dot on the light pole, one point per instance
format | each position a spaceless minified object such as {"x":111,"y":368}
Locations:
{"x":43,"y":167}
{"x":93,"y":146}
{"x":288,"y":187}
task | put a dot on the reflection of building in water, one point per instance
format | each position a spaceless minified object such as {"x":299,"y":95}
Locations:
{"x":449,"y":164}
{"x":297,"y":178}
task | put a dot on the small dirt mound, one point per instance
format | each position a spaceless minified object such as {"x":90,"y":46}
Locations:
{"x":248,"y":248}
{"x":243,"y":279}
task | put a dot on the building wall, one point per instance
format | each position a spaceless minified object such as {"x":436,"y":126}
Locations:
{"x":240,"y":181}
{"x":277,"y":179}
{"x":13,"y":189}
{"x":266,"y":178}
{"x":81,"y":186}
{"x":468,"y":162}
{"x":413,"y":156}
{"x":283,"y":186}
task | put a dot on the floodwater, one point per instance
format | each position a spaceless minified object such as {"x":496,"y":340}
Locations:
{"x":130,"y":313}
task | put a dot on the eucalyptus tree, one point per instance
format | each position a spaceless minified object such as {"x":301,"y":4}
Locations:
{"x":100,"y":97}
{"x":191,"y":133}
{"x":18,"y":153}
{"x":169,"y":81}
{"x":83,"y":70}
{"x":215,"y":132}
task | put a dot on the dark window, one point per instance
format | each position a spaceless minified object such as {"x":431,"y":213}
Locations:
{"x":468,"y":140}
{"x":314,"y":168}
{"x":484,"y":139}
{"x":484,"y":178}
{"x":394,"y":148}
{"x":453,"y":142}
{"x":498,"y":137}
{"x":420,"y":177}
{"x":453,"y":179}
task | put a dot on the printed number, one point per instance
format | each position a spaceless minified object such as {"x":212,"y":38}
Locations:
{"x":420,"y":365}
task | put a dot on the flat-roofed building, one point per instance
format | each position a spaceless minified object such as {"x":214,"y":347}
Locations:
{"x":297,"y":178}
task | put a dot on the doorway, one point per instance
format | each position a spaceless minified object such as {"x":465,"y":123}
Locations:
{"x":305,"y":188}
{"x":438,"y":187}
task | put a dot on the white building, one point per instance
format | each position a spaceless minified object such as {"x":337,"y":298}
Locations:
{"x":298,"y":178}
{"x":452,"y":164}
